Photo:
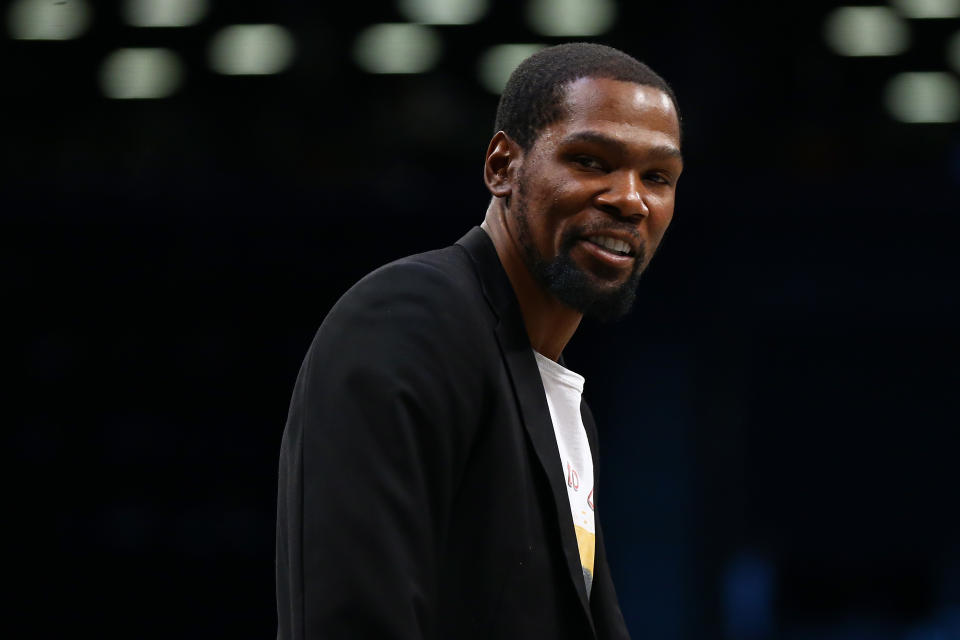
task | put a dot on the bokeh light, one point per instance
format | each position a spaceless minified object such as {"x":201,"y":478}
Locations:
{"x":925,"y":9}
{"x":953,"y":51}
{"x":924,"y":97}
{"x":866,"y":31}
{"x":571,"y":17}
{"x":443,"y":11}
{"x":251,"y":49}
{"x":164,"y":13}
{"x":46,"y":20}
{"x":146,"y":73}
{"x":498,"y":62}
{"x":397,"y":48}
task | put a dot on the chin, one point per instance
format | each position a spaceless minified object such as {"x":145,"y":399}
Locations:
{"x":585,"y":292}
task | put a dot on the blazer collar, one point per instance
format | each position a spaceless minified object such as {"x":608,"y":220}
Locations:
{"x":525,"y":377}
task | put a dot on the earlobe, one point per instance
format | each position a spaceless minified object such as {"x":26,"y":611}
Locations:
{"x":500,"y":166}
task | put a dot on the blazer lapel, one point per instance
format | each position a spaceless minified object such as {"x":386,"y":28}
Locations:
{"x":525,"y":377}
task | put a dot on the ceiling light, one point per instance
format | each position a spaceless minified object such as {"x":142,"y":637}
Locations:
{"x":923,"y":97}
{"x":443,"y":11}
{"x":866,"y":31}
{"x":251,"y":49}
{"x":164,"y":13}
{"x":571,"y":17}
{"x":397,"y":48}
{"x":47,"y":20}
{"x":141,"y":74}
{"x":499,"y":61}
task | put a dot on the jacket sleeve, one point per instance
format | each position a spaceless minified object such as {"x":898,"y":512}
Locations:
{"x":382,"y":417}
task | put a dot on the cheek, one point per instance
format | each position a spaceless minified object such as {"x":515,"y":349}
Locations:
{"x":556,"y":207}
{"x":553,"y":197}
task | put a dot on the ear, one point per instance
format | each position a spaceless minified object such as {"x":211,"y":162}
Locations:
{"x":501,"y":165}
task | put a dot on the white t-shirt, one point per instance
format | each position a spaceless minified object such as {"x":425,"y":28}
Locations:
{"x":564,"y":389}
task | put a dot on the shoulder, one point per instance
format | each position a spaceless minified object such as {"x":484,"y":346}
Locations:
{"x":443,"y":269}
{"x":426,"y":303}
{"x":436,"y":285}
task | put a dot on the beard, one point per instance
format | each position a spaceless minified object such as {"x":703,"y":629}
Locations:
{"x":567,"y":281}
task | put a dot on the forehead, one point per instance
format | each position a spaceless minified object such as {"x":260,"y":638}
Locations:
{"x":623,"y":109}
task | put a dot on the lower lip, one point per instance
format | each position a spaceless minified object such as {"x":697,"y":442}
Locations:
{"x":605,"y":256}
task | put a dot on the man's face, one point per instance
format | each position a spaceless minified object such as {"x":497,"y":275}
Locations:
{"x":595,"y":193}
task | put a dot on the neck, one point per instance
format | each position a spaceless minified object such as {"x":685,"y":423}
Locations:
{"x":549,"y":324}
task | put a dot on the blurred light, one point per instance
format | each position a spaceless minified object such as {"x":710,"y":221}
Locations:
{"x":498,"y":62}
{"x":47,"y":20}
{"x":866,"y":31}
{"x":923,"y":97}
{"x":953,"y":51}
{"x":571,"y":17}
{"x":396,"y":48}
{"x":443,"y":11}
{"x":141,"y":73}
{"x":165,"y":13}
{"x":928,"y":8}
{"x":251,"y":49}
{"x":748,"y":596}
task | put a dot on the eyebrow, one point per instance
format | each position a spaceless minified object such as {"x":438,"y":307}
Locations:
{"x":595,"y":137}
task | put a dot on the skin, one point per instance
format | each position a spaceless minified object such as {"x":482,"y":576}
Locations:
{"x":610,"y":166}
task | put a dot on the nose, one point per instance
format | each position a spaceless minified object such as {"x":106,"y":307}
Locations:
{"x":625,"y":196}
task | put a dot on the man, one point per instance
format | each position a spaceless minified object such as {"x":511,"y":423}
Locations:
{"x":437,"y":468}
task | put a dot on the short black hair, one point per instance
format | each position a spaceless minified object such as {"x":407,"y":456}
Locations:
{"x":535,"y":93}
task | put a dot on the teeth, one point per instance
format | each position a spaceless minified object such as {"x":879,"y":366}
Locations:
{"x":611,"y":243}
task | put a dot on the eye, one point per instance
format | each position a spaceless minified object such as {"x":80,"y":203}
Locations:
{"x":589,"y":162}
{"x":659,"y":178}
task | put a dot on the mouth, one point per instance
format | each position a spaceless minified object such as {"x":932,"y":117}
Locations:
{"x":612,"y":245}
{"x":609,"y":254}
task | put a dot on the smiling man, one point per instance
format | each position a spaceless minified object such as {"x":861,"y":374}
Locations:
{"x":438,"y":463}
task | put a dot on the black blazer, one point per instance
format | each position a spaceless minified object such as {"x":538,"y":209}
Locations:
{"x":421,"y":493}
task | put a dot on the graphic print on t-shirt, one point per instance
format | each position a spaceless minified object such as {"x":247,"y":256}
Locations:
{"x":583,"y":522}
{"x":564,"y":389}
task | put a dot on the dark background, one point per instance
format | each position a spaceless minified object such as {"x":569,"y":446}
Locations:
{"x":778,"y":414}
